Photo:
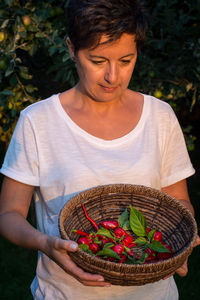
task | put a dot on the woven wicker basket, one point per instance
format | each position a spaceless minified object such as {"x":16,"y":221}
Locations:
{"x":108,"y":202}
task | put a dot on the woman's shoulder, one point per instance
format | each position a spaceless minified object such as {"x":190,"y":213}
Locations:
{"x":159,"y":107}
{"x":153,"y":105}
{"x":41,"y":106}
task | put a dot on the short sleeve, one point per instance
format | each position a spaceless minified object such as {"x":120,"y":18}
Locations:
{"x":21,"y":159}
{"x":176,"y":164}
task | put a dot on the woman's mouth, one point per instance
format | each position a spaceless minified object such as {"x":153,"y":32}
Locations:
{"x":108,"y":89}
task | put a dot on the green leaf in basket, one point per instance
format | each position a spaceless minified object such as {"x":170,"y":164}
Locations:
{"x":131,"y":260}
{"x":140,"y":241}
{"x":126,"y":225}
{"x":105,"y":232}
{"x":108,"y":253}
{"x":137,"y":222}
{"x":123,"y":218}
{"x":85,"y":248}
{"x":134,"y":260}
{"x":126,"y":250}
{"x":97,"y":241}
{"x":108,"y":245}
{"x":142,"y":258}
{"x":158,"y":247}
{"x":151,"y":234}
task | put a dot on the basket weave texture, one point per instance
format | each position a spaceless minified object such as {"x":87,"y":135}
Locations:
{"x":108,"y":202}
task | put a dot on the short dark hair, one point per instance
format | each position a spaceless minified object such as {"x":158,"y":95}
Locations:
{"x":88,"y":20}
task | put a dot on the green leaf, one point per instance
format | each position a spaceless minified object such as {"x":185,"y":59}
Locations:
{"x":126,"y":225}
{"x":5,"y":23}
{"x":25,"y":75}
{"x":140,"y":241}
{"x":127,"y":249}
{"x":158,"y":247}
{"x":13,"y":113}
{"x":142,"y":258}
{"x":85,"y":248}
{"x":9,"y":71}
{"x":108,"y":252}
{"x":9,"y":2}
{"x":137,"y":222}
{"x":6,"y":93}
{"x":123,"y":218}
{"x":52,"y":50}
{"x":97,"y":241}
{"x":40,"y":34}
{"x":30,"y":88}
{"x":151,"y":234}
{"x":108,"y":245}
{"x":104,"y":232}
{"x":66,"y":57}
{"x":131,"y":260}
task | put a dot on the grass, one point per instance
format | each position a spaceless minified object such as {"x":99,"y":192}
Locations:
{"x":18,"y":265}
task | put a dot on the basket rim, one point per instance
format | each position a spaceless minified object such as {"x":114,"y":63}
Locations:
{"x":141,"y":189}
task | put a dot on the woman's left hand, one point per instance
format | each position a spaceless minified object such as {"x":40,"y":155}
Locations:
{"x":183,"y":270}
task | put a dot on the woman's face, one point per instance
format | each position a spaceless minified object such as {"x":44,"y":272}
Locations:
{"x":105,"y":71}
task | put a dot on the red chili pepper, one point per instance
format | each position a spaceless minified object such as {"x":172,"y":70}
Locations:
{"x":94,"y":247}
{"x":90,"y":219}
{"x":131,"y":253}
{"x":157,"y":236}
{"x":118,"y":248}
{"x":83,"y":240}
{"x":109,"y":224}
{"x":148,"y":230}
{"x":149,"y":251}
{"x":119,"y":232}
{"x":132,"y":245}
{"x":80,"y":232}
{"x":128,"y":239}
{"x":104,"y":241}
{"x":122,"y":258}
{"x":109,"y":258}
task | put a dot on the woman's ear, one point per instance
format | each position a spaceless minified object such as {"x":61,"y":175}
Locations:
{"x":71,"y":48}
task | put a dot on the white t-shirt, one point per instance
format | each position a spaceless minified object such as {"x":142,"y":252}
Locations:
{"x":51,"y":152}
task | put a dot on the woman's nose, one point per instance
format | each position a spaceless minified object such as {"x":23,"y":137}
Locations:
{"x":111,"y":73}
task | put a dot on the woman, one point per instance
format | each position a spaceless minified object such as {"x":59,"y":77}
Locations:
{"x":98,"y":132}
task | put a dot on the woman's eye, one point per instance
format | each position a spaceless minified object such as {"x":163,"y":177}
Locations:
{"x":97,"y":62}
{"x":125,"y":61}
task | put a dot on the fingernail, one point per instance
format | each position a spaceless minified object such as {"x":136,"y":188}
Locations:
{"x":100,"y":279}
{"x":107,"y":285}
{"x":73,"y":246}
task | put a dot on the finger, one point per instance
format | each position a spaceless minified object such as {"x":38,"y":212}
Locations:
{"x":67,"y":245}
{"x":182,"y":271}
{"x":95,"y":283}
{"x":197,"y":242}
{"x":80,"y":274}
{"x":172,"y":274}
{"x":69,"y":266}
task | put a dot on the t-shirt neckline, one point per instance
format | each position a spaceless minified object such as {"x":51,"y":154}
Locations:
{"x":133,"y":133}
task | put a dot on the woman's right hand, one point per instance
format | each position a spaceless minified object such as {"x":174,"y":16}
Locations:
{"x":14,"y":205}
{"x":57,"y":250}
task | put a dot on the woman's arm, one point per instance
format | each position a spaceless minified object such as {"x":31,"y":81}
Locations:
{"x":179,"y":191}
{"x":14,"y":205}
